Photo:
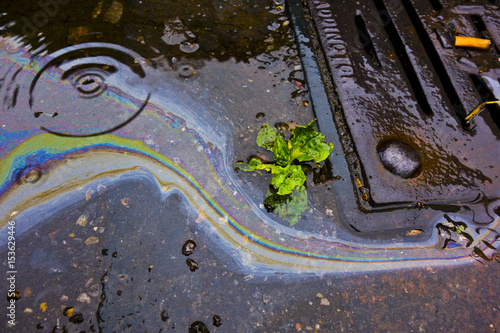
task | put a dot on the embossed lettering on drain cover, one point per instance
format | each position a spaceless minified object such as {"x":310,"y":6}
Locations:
{"x":406,"y":90}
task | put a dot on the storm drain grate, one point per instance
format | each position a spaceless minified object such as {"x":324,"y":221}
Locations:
{"x":405,"y":92}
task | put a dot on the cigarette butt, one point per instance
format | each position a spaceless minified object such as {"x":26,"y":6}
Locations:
{"x":477,"y":43}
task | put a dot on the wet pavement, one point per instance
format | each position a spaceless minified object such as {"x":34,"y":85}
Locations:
{"x":135,"y":278}
{"x":121,"y":124}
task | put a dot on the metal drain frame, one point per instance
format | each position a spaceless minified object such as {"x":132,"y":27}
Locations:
{"x":333,"y":116}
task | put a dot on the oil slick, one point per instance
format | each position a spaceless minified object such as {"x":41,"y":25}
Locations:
{"x":178,"y":142}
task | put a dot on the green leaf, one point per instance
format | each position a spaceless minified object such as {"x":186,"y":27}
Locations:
{"x":280,"y":175}
{"x":254,"y":164}
{"x":266,"y":137}
{"x":309,"y":145}
{"x":281,"y":152}
{"x":288,"y":207}
{"x":287,"y":178}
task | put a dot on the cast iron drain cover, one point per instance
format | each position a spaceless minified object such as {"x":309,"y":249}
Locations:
{"x":399,"y":78}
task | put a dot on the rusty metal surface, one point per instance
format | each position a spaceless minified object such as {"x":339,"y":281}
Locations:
{"x":398,"y":78}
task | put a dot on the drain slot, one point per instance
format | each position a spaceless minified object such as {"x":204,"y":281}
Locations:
{"x":366,"y":40}
{"x":435,"y":60}
{"x":481,"y":88}
{"x":436,"y":5}
{"x":399,"y":47}
{"x":485,"y":94}
{"x":479,"y":23}
{"x":483,"y":30}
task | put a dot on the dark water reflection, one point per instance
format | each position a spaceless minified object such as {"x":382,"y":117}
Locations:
{"x":198,"y":29}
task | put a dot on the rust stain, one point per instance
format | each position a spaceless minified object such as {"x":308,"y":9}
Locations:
{"x":52,"y":235}
{"x":88,"y":194}
{"x":200,"y":218}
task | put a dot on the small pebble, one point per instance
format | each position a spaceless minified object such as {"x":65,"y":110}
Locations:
{"x":83,"y":298}
{"x":217,"y":320}
{"x":193,"y":265}
{"x":188,"y":247}
{"x":91,"y":240}
{"x":82,"y":220}
{"x":325,"y":302}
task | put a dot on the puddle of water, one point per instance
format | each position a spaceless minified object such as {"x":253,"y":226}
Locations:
{"x":116,"y":261}
{"x":172,"y":128}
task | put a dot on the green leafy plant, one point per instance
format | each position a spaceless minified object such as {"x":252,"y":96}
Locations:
{"x":287,"y":195}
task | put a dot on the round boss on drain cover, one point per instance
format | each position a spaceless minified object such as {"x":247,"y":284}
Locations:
{"x":400,"y":158}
